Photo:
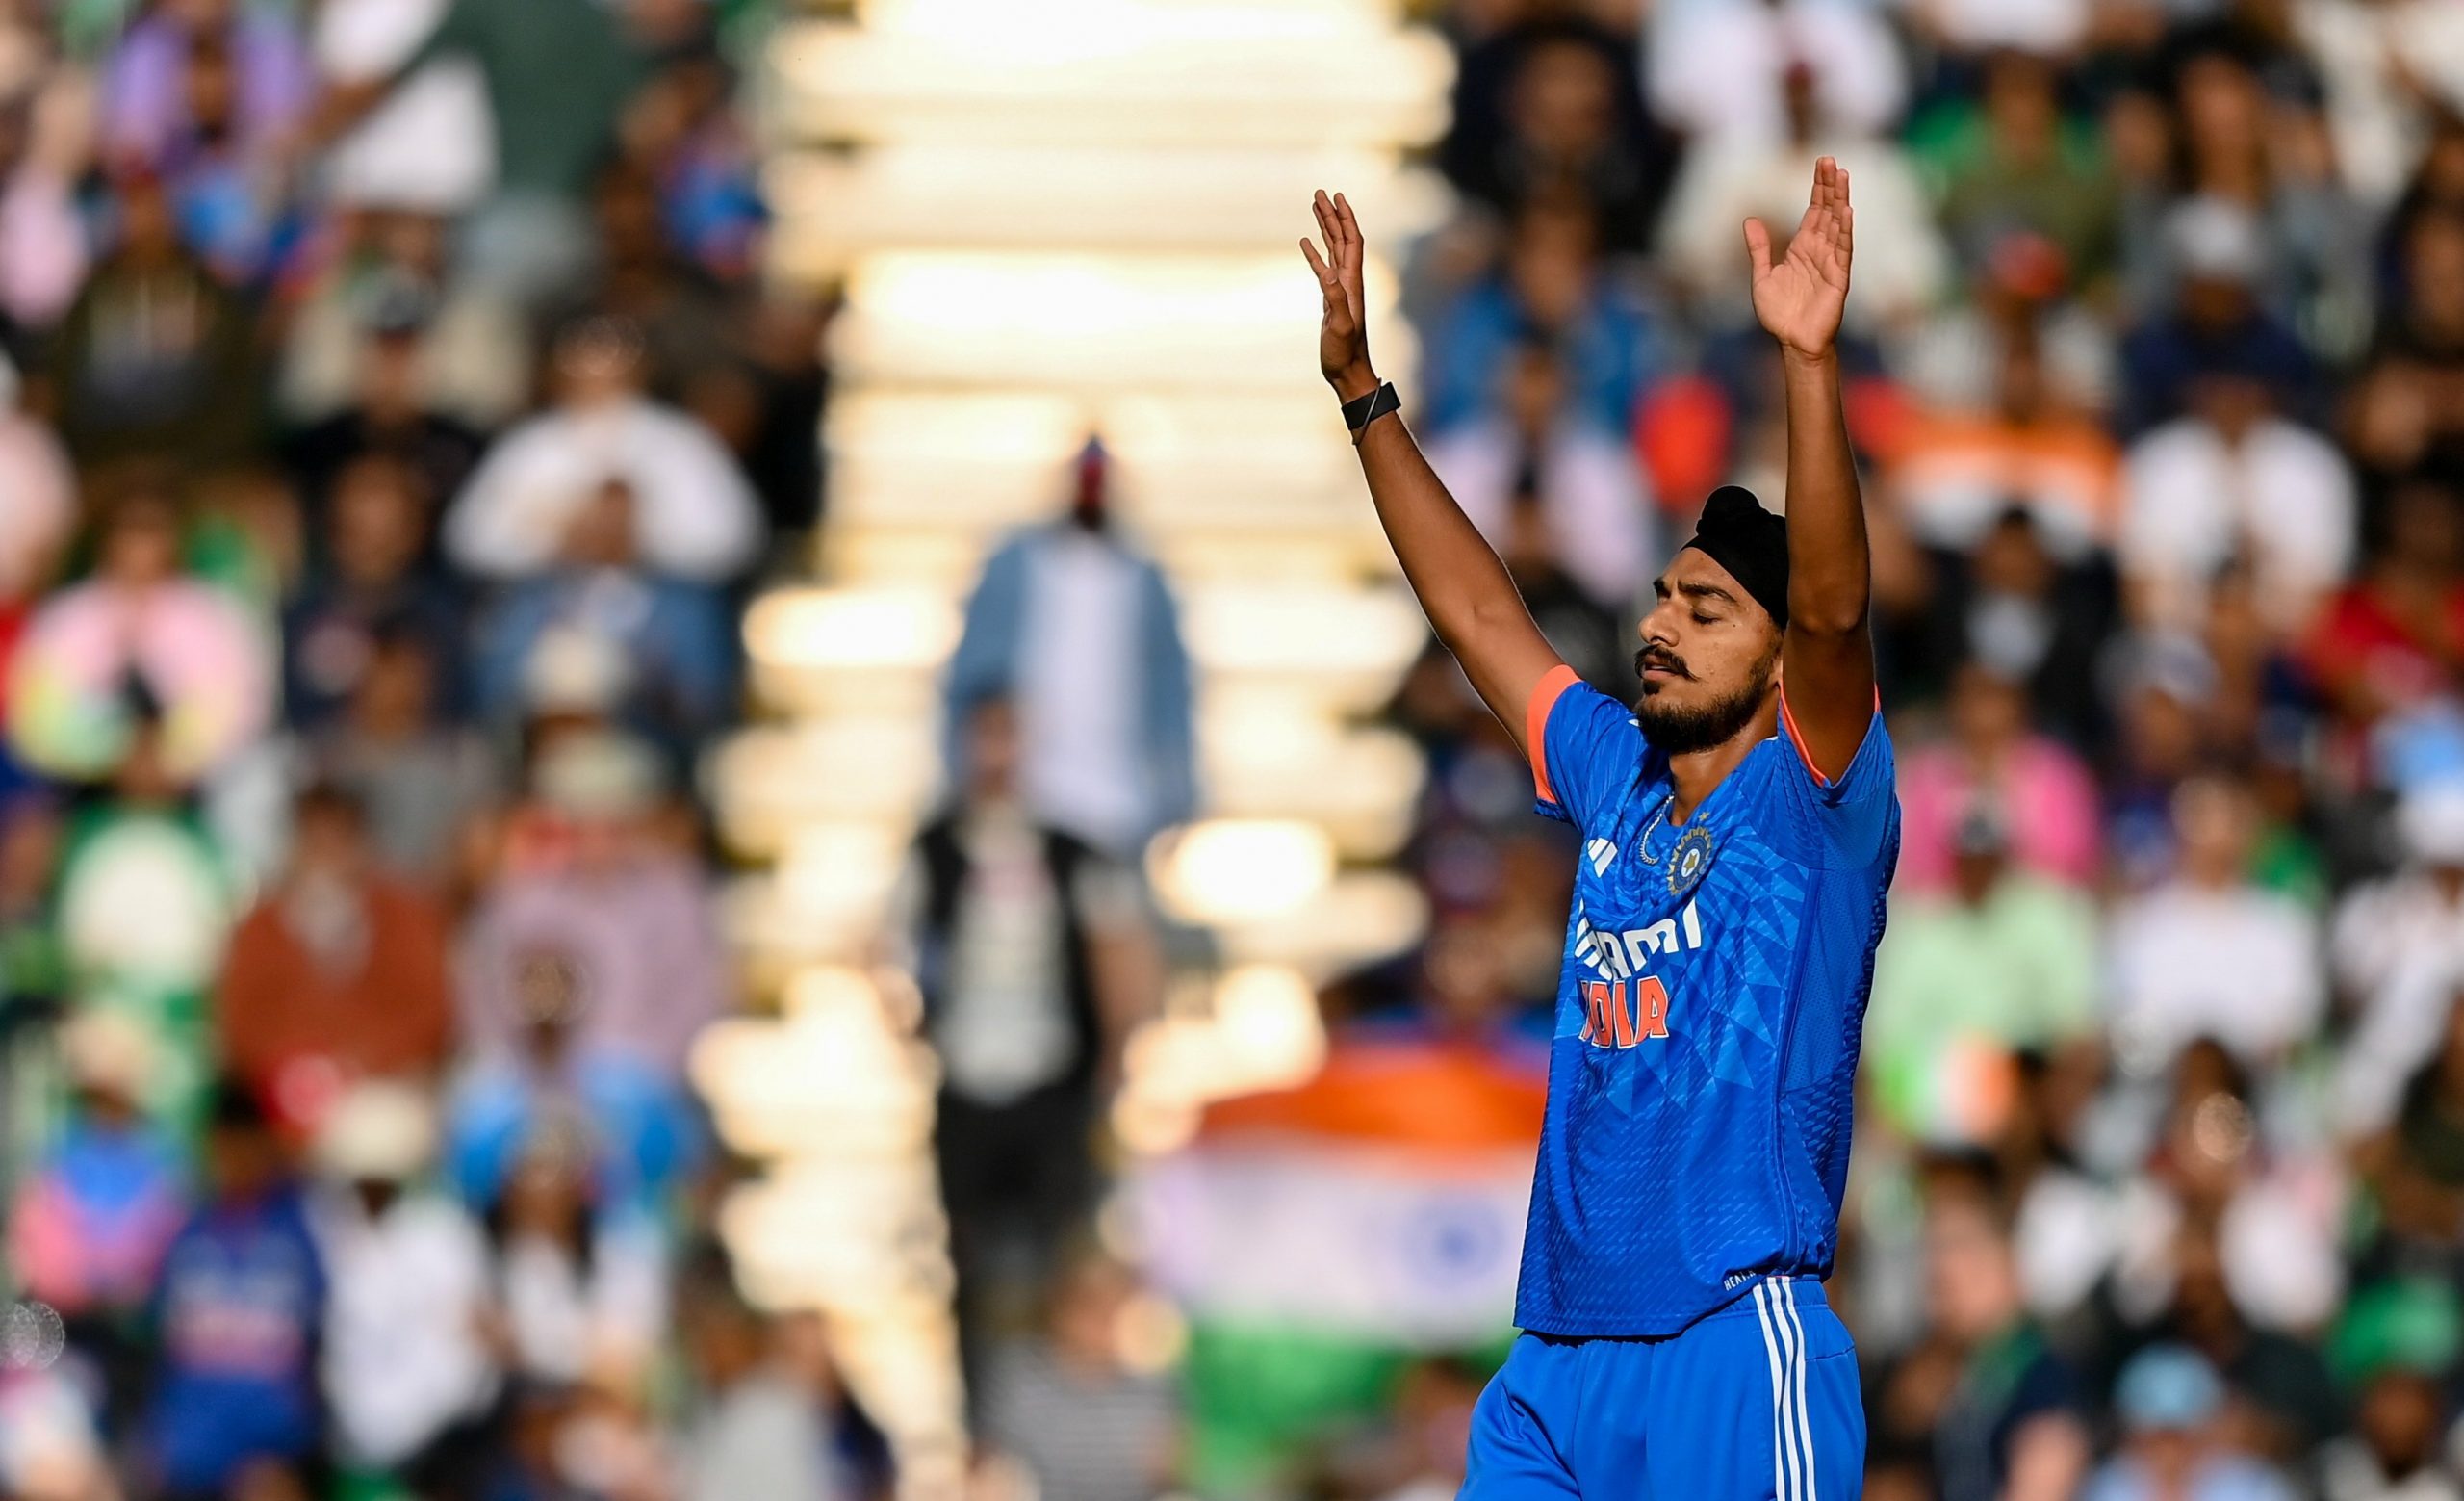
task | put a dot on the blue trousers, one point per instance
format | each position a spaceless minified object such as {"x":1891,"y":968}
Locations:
{"x":1758,"y":1402}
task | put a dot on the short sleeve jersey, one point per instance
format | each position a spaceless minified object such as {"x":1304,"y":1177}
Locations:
{"x":1708,"y":1017}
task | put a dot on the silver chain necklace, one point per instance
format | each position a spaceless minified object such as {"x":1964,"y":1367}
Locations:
{"x":1643,"y":841}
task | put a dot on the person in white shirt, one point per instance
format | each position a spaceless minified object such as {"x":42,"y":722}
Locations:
{"x":1904,"y":264}
{"x":2232,"y":479}
{"x":696,"y":518}
{"x":2209,"y":953}
{"x":407,"y":1373}
{"x":1717,"y":69}
{"x":2397,"y":952}
{"x":1602,"y":531}
{"x":2384,"y":927}
{"x":430,"y":146}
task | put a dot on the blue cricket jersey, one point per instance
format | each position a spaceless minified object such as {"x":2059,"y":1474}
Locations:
{"x":1713,"y":989}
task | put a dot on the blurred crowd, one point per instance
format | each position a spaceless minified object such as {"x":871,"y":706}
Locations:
{"x":392,"y":421}
{"x":395,"y":419}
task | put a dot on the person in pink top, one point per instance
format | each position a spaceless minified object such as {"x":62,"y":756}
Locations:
{"x":2040,"y":788}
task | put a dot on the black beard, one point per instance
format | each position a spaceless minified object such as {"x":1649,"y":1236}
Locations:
{"x":1676,"y":732}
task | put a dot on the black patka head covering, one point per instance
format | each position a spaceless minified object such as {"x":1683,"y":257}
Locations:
{"x":1751,"y":543}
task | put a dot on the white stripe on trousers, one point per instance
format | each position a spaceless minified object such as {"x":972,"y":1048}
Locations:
{"x":1783,"y":1345}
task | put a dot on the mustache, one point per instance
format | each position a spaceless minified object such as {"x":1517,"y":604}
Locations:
{"x":1664,"y":660}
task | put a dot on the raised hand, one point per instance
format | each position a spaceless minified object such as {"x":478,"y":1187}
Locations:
{"x":1343,"y":334}
{"x":1800,"y":300}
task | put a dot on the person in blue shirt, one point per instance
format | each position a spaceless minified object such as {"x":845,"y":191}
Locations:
{"x":239,"y":1313}
{"x":1738,"y":843}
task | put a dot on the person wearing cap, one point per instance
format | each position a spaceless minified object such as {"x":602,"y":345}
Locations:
{"x":407,"y":1374}
{"x":1738,"y":840}
{"x":2170,"y":1400}
{"x":2209,"y":317}
{"x":590,"y":874}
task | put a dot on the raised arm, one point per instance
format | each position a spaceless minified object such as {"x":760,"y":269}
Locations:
{"x":1461,"y":585}
{"x":1827,"y":661}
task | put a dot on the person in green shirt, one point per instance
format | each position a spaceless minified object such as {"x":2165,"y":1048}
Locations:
{"x":558,"y":75}
{"x":2004,"y":960}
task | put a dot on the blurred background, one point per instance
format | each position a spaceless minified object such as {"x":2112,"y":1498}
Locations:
{"x":715,"y":786}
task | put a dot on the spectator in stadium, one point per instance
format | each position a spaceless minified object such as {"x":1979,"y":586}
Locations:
{"x":2415,"y":1167}
{"x":1077,"y":628}
{"x":2388,"y":641}
{"x":46,"y":247}
{"x":2396,"y":1348}
{"x":2004,"y":959}
{"x":2037,"y":792}
{"x":148,"y":115}
{"x":1069,"y":1404}
{"x":2247,"y":144}
{"x":2010,"y":1419}
{"x":239,"y":1313}
{"x":140,"y":637}
{"x":2232,"y":479}
{"x":695,"y":517}
{"x":636,"y":1132}
{"x":592,"y":867}
{"x":422,"y":779}
{"x":387,"y":355}
{"x":1549,"y":285}
{"x":580,"y":1284}
{"x":339,"y":974}
{"x":90,"y":1222}
{"x":1724,"y":74}
{"x":2207,"y":319}
{"x":132,"y":384}
{"x":757,"y":1429}
{"x":2407,"y":408}
{"x":408,"y":1378}
{"x":371,"y":575}
{"x":2210,"y":953}
{"x":1023,"y":939}
{"x":654,"y":652}
{"x":2219,"y":1184}
{"x":2170,"y":1400}
{"x":1954,"y":473}
{"x":2015,"y":162}
{"x":1536,"y":443}
{"x":1549,"y":111}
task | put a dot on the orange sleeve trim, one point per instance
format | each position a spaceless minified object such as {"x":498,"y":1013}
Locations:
{"x":1796,"y":736}
{"x":1545,"y":694}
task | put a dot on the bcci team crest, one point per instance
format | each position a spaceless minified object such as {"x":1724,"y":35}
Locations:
{"x":1689,"y":861}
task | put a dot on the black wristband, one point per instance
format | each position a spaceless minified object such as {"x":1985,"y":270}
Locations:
{"x":1360,"y":411}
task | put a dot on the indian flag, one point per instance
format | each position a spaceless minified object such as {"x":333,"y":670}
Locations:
{"x":1318,"y":1237}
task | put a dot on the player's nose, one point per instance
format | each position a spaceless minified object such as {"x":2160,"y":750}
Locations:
{"x":1659,"y":625}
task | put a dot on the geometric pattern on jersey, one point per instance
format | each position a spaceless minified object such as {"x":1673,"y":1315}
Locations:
{"x":1705,"y":1045}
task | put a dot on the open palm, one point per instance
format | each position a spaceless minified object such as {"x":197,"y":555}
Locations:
{"x":1799,"y":298}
